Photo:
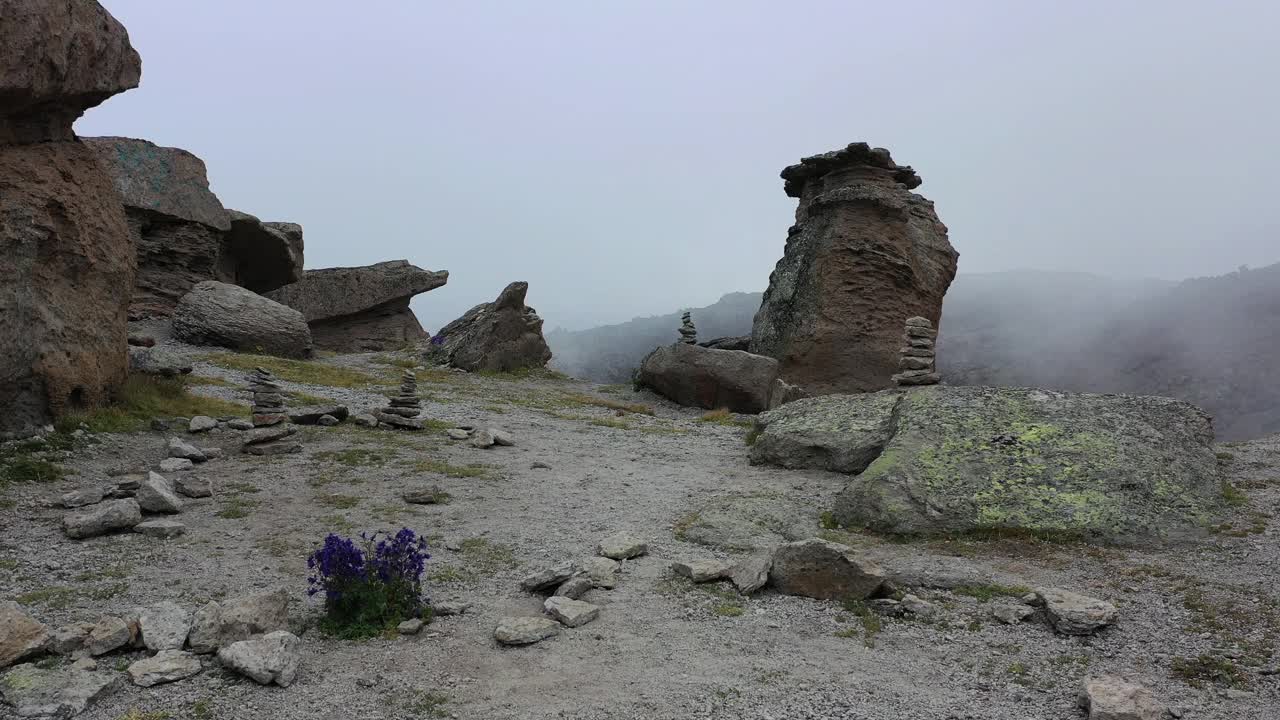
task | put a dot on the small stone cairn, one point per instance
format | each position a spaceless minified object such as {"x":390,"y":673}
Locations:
{"x":405,"y":407}
{"x":917,"y":362}
{"x":688,"y":333}
{"x":268,"y":415}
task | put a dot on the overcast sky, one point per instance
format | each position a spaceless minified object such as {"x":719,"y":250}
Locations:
{"x":623,"y":156}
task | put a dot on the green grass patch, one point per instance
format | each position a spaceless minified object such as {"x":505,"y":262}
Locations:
{"x":307,"y":372}
{"x":338,"y":502}
{"x":728,"y":610}
{"x":211,"y":381}
{"x":610,"y":423}
{"x":986,"y":593}
{"x":358,"y":457}
{"x":488,"y":556}
{"x":236,"y":507}
{"x":610,"y":404}
{"x":440,"y":467}
{"x":143,"y":397}
{"x":869,"y":621}
{"x":1209,"y":669}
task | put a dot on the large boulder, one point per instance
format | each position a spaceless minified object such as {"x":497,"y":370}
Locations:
{"x":360,"y":309}
{"x":864,"y":255}
{"x":501,"y":336}
{"x":20,"y":634}
{"x":262,"y":256}
{"x":697,"y":376}
{"x":177,"y":221}
{"x":57,"y":60}
{"x":944,"y":459}
{"x":66,"y":259}
{"x":216,"y":313}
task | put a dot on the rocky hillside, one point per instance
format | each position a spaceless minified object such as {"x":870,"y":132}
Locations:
{"x":1207,"y":340}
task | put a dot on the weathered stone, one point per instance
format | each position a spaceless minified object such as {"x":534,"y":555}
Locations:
{"x":193,"y":487}
{"x":1114,"y":698}
{"x":312,"y":415}
{"x":410,"y":627}
{"x":400,"y":423}
{"x":458,"y":434}
{"x":162,"y":361}
{"x":181,"y":449}
{"x":164,"y":626}
{"x":747,"y":522}
{"x":271,"y":433}
{"x":274,"y":449}
{"x":865,"y":253}
{"x":1010,"y":614}
{"x":548,"y":577}
{"x":499,"y":336}
{"x":201,"y":423}
{"x":752,"y":572}
{"x":574,"y":588}
{"x":240,"y":424}
{"x":215,"y":313}
{"x":601,"y":571}
{"x":502,"y":437}
{"x":449,"y":607}
{"x":82,"y":497}
{"x":108,"y":634}
{"x":156,"y":494}
{"x":20,"y":634}
{"x":171,"y":465}
{"x":327,"y":421}
{"x":622,"y":546}
{"x":165,"y":666}
{"x":695,"y":376}
{"x":570,"y":612}
{"x":701,"y":571}
{"x":272,"y":658}
{"x":262,"y":256}
{"x":259,"y":613}
{"x":160,"y":528}
{"x":824,"y":570}
{"x":66,"y":260}
{"x":1074,"y":614}
{"x":426,"y":496}
{"x":364,"y":420}
{"x":525,"y":630}
{"x":57,"y":693}
{"x":211,"y":453}
{"x":68,"y":639}
{"x":361,"y":309}
{"x":482,"y":438}
{"x":958,"y":459}
{"x":102,"y":518}
{"x":206,"y":628}
{"x":913,"y":605}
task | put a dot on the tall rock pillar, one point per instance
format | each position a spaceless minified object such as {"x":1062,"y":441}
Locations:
{"x":67,"y":260}
{"x":864,"y":255}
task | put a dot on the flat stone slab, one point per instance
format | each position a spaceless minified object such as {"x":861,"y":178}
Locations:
{"x":169,"y":465}
{"x":525,"y":630}
{"x":1074,"y":614}
{"x":270,"y":658}
{"x":160,"y":528}
{"x":623,"y":546}
{"x":570,"y":612}
{"x":165,"y":666}
{"x":102,"y":518}
{"x":61,"y":693}
{"x":548,"y":577}
{"x":701,"y":571}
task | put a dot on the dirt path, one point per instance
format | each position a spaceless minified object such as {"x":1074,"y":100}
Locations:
{"x":662,"y":648}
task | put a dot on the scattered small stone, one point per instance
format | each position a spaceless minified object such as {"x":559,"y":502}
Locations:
{"x":525,"y":630}
{"x":548,"y":577}
{"x":365,"y":420}
{"x":102,"y":518}
{"x":622,"y":546}
{"x":164,"y":626}
{"x":201,"y":423}
{"x":701,"y":571}
{"x":482,"y":439}
{"x":450,"y":607}
{"x":410,"y":627}
{"x":396,"y":421}
{"x":156,"y":494}
{"x":426,"y":496}
{"x":327,"y":421}
{"x":82,"y":497}
{"x":108,"y":634}
{"x":1010,"y":614}
{"x":502,"y":437}
{"x":60,"y":692}
{"x":272,"y":658}
{"x":170,"y":465}
{"x":574,"y":588}
{"x":458,"y":434}
{"x":751,"y":573}
{"x":539,"y":465}
{"x":1074,"y":614}
{"x":165,"y":666}
{"x":602,"y":572}
{"x":20,"y":634}
{"x":570,"y":612}
{"x":193,"y":487}
{"x":913,"y":605}
{"x":180,"y":449}
{"x":274,"y":449}
{"x":1113,"y":698}
{"x":160,"y":528}
{"x":272,"y":433}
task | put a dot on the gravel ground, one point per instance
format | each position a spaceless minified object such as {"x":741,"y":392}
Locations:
{"x":661,"y":648}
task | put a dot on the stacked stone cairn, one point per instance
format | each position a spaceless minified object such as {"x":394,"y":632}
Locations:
{"x":688,"y":333}
{"x":404,"y":408}
{"x":269,"y":416}
{"x":917,"y":361}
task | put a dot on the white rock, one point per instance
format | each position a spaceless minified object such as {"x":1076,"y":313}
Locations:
{"x":622,"y":546}
{"x":450,"y":607}
{"x":410,"y":627}
{"x":751,"y":573}
{"x":175,"y":465}
{"x":602,"y":572}
{"x":272,"y":658}
{"x":164,"y":626}
{"x":1010,"y":614}
{"x":574,"y":588}
{"x":458,"y":434}
{"x":156,"y":494}
{"x":165,"y":666}
{"x":525,"y":630}
{"x":102,"y":518}
{"x":181,"y":449}
{"x":20,"y":634}
{"x":482,"y":439}
{"x":701,"y":571}
{"x":1074,"y":614}
{"x":202,"y":423}
{"x":82,"y":497}
{"x":570,"y":612}
{"x":61,"y":693}
{"x":1113,"y":698}
{"x":69,"y":639}
{"x":502,"y":437}
{"x":364,"y":420}
{"x":548,"y":577}
{"x":108,"y":634}
{"x":193,"y":487}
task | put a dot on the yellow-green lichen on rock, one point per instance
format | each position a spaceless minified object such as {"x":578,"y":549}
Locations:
{"x":964,"y":459}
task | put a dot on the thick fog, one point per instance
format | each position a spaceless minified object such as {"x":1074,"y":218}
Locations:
{"x":623,"y":157}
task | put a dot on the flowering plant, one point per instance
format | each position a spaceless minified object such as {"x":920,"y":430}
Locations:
{"x":371,"y":586}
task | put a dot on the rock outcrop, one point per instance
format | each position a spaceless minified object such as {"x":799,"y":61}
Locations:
{"x":66,"y":257}
{"x":215,"y":313}
{"x":361,"y":309}
{"x":262,"y":256}
{"x":942,"y":459}
{"x":500,"y":336}
{"x":864,"y":253}
{"x":695,"y":376}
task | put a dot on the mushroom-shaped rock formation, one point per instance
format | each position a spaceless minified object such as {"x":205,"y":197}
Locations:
{"x":864,"y":253}
{"x":360,"y":309}
{"x":262,"y":256}
{"x":501,"y":336}
{"x":66,"y":256}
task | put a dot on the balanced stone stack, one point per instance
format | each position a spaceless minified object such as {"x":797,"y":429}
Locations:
{"x":688,"y":333}
{"x":268,"y":398}
{"x":916,"y":365}
{"x":405,"y":407}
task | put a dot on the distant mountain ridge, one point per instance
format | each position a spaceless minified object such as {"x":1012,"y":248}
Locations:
{"x":1211,"y":341}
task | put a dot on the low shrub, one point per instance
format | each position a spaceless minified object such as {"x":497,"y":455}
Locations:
{"x":370,"y":587}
